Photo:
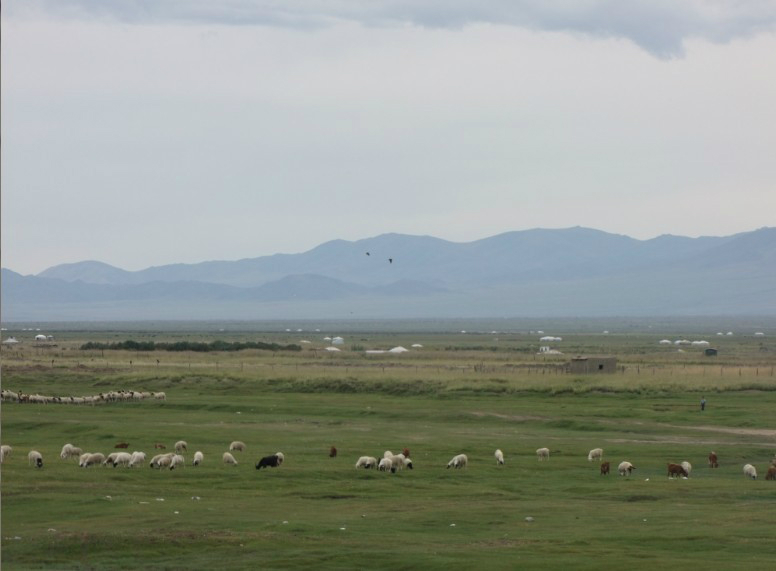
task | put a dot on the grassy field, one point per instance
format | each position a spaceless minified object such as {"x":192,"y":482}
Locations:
{"x":459,"y":394}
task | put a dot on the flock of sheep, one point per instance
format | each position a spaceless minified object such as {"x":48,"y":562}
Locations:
{"x":169,"y":460}
{"x":390,"y":462}
{"x":111,"y":396}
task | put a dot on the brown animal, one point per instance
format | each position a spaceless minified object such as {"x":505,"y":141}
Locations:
{"x":604,"y":468}
{"x":771,"y":473}
{"x":332,"y":452}
{"x":122,"y":445}
{"x":406,"y":452}
{"x":676,"y":470}
{"x":713,"y":460}
{"x":160,"y":446}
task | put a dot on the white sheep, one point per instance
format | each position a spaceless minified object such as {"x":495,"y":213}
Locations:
{"x":366,"y":462}
{"x":110,"y":459}
{"x":237,"y":445}
{"x":176,"y":461}
{"x":161,"y":460}
{"x":750,"y":471}
{"x":35,"y":459}
{"x":181,"y":446}
{"x":687,"y":467}
{"x":67,"y":451}
{"x":385,"y":465}
{"x":5,"y":452}
{"x":398,"y":462}
{"x":137,"y":459}
{"x":625,"y":468}
{"x":543,"y":454}
{"x":499,"y":457}
{"x":387,"y":454}
{"x":595,"y":454}
{"x":229,"y":459}
{"x":198,"y":457}
{"x":123,"y":458}
{"x":459,"y":461}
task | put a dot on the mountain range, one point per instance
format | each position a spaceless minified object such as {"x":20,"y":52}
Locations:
{"x":566,"y":272}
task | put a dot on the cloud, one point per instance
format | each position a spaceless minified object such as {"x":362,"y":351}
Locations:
{"x":658,"y":26}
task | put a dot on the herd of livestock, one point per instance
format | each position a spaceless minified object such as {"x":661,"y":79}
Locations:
{"x":389,"y":462}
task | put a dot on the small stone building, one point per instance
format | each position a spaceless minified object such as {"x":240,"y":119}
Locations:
{"x":591,"y":364}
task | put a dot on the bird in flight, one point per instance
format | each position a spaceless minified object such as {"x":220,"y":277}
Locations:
{"x":390,"y":260}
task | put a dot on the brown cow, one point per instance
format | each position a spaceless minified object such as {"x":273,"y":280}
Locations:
{"x":406,"y":452}
{"x":676,"y":470}
{"x":332,"y":452}
{"x":713,"y":460}
{"x":122,"y":445}
{"x":771,"y":473}
{"x":160,"y":446}
{"x":604,"y":468}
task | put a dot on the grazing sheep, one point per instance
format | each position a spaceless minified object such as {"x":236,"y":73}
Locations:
{"x":595,"y":454}
{"x":122,"y":445}
{"x":237,"y":446}
{"x":5,"y":452}
{"x":676,"y":470}
{"x":543,"y":454}
{"x":713,"y":460}
{"x":408,"y":463}
{"x":82,"y":459}
{"x":137,"y":459}
{"x":366,"y":462}
{"x":181,"y":446}
{"x":176,"y":461}
{"x":35,"y":459}
{"x":406,"y":452}
{"x":499,"y":457}
{"x":604,"y":468}
{"x":771,"y":473}
{"x":459,"y":461}
{"x":332,"y":452}
{"x":160,"y":396}
{"x":687,"y":467}
{"x":398,"y":462}
{"x":123,"y":458}
{"x":750,"y":471}
{"x":70,"y":451}
{"x":229,"y":459}
{"x":198,"y":457}
{"x":385,"y":465}
{"x":110,"y":459}
{"x":161,"y":460}
{"x":272,"y":461}
{"x":625,"y":468}
{"x":387,"y":454}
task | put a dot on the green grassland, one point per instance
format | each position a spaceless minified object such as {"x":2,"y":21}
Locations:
{"x":458,"y":394}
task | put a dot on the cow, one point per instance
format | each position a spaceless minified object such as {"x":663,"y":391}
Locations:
{"x":332,"y":452}
{"x":676,"y":470}
{"x":713,"y":460}
{"x":122,"y":445}
{"x":604,"y":468}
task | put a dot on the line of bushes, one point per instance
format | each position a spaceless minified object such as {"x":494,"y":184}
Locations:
{"x":199,"y":347}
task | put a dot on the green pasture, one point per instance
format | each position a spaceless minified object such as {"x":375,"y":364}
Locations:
{"x":320,"y":512}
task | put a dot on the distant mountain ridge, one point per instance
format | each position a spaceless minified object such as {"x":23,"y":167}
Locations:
{"x":573,"y":271}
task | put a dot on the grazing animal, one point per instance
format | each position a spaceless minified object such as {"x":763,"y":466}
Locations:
{"x":5,"y":452}
{"x":459,"y":461}
{"x":604,"y":468}
{"x":198,"y":457}
{"x":137,"y":459}
{"x":676,"y":470}
{"x":181,"y":446}
{"x":35,"y":459}
{"x":750,"y":471}
{"x":176,"y":461}
{"x":386,"y":465}
{"x":406,"y":452}
{"x":625,"y":468}
{"x":92,"y":459}
{"x":366,"y":462}
{"x":70,"y":451}
{"x":229,"y":459}
{"x":713,"y":460}
{"x":687,"y":467}
{"x":771,"y":473}
{"x":543,"y":454}
{"x":123,"y":458}
{"x":595,"y":454}
{"x":499,"y":457}
{"x":272,"y":461}
{"x":122,"y":445}
{"x":332,"y":452}
{"x":160,"y":446}
{"x":237,"y":445}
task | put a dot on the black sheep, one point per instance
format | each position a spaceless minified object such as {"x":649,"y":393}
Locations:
{"x":268,"y":462}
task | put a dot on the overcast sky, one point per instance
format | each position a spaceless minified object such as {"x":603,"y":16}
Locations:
{"x":144,"y":133}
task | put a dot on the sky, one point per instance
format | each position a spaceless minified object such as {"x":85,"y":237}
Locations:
{"x":142,"y":133}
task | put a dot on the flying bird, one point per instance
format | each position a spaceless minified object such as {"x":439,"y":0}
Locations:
{"x":368,"y":254}
{"x":390,"y":260}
